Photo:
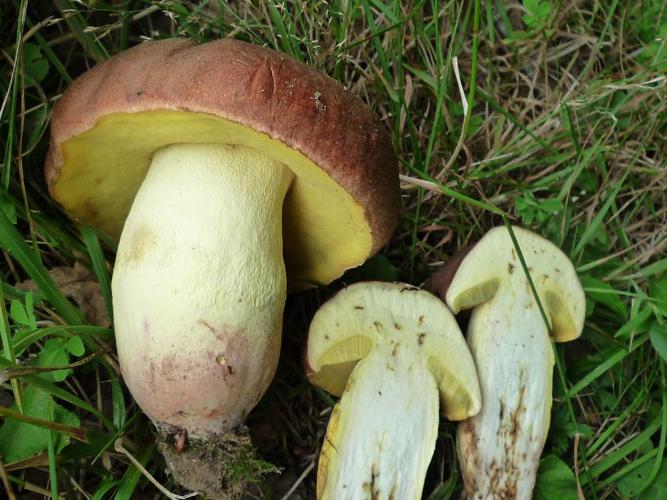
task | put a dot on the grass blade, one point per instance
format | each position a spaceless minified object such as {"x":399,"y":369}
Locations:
{"x":59,"y":393}
{"x":92,"y":243}
{"x":11,"y":240}
{"x":133,"y":475}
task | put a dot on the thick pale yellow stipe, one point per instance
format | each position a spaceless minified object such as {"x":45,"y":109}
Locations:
{"x":199,"y":285}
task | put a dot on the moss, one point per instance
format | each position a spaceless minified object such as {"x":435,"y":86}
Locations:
{"x":218,"y":465}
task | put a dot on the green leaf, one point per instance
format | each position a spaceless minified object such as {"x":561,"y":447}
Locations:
{"x":36,"y":65}
{"x":24,"y":339}
{"x":657,"y":289}
{"x":20,"y":316}
{"x":75,"y":346}
{"x":529,"y":208}
{"x":133,"y":475}
{"x":658,"y":336}
{"x":634,"y":482}
{"x":117,"y":401}
{"x":9,"y":209}
{"x":375,"y":268}
{"x":638,"y":322}
{"x":41,"y":121}
{"x":519,"y":36}
{"x":525,"y":207}
{"x":530,"y":5}
{"x":19,"y":440}
{"x":543,"y":10}
{"x":53,"y":353}
{"x":105,"y":486}
{"x":657,"y":490}
{"x":24,"y":315}
{"x":537,"y":12}
{"x":603,"y":293}
{"x":608,"y":400}
{"x":563,"y":431}
{"x":59,"y":393}
{"x":655,"y":51}
{"x":555,"y":480}
{"x":91,"y":239}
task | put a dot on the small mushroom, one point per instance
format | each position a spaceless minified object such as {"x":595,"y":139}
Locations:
{"x":499,"y":449}
{"x":225,"y":169}
{"x":392,"y":351}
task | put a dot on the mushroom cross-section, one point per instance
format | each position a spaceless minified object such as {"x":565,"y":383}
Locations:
{"x":393,"y":351}
{"x":229,"y":172}
{"x":500,"y":448}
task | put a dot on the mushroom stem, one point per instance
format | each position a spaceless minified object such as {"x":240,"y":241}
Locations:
{"x":382,"y":433}
{"x":499,"y":448}
{"x":199,"y":285}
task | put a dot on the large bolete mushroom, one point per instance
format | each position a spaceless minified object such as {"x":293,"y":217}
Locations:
{"x":499,"y":449}
{"x":212,"y":163}
{"x":393,"y":351}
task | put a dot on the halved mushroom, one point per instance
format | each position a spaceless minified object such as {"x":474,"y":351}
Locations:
{"x":394,"y":350}
{"x":500,"y":448}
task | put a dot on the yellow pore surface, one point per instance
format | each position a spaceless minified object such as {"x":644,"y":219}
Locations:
{"x":325,"y":230}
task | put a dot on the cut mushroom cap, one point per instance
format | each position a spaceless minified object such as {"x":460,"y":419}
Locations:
{"x":366,"y":315}
{"x":204,"y":160}
{"x":392,"y":350}
{"x":500,"y":448}
{"x":493,"y":263}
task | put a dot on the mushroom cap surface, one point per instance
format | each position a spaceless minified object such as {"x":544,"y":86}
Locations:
{"x":365,"y":315}
{"x":493,"y":262}
{"x":344,"y":202}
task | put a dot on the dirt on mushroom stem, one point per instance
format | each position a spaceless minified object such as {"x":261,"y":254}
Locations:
{"x":218,"y":465}
{"x":499,"y":449}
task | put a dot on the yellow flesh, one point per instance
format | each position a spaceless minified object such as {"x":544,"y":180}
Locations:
{"x":340,"y":360}
{"x":478,"y":294}
{"x":563,"y":325}
{"x":325,"y":230}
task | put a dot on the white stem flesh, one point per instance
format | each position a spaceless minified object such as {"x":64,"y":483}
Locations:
{"x":382,"y":433}
{"x":199,"y":285}
{"x":499,"y":449}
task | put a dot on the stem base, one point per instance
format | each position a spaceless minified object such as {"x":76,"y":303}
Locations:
{"x":218,"y":465}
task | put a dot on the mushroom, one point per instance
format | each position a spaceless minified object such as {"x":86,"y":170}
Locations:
{"x":499,"y":449}
{"x":218,"y":166}
{"x":392,"y":350}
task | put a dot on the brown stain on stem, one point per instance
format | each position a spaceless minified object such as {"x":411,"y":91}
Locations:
{"x":142,"y":240}
{"x":503,"y":474}
{"x":187,"y":376}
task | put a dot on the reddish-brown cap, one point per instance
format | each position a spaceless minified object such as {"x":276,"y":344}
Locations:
{"x":440,"y":280}
{"x":252,"y":88}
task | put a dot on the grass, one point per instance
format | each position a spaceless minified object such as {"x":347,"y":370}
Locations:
{"x":556,"y":121}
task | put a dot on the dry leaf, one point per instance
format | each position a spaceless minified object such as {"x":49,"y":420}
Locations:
{"x":79,"y":284}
